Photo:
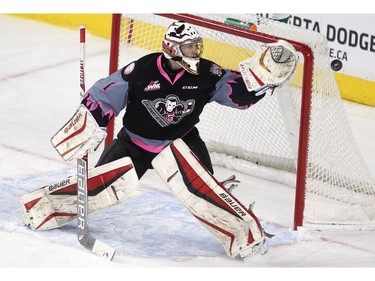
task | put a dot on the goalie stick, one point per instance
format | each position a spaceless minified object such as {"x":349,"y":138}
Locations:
{"x":85,"y":239}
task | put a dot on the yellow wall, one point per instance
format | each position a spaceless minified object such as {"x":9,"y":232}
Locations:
{"x":351,"y":88}
{"x":97,"y":24}
{"x":356,"y":89}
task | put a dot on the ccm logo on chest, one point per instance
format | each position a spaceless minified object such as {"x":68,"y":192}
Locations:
{"x":189,"y":87}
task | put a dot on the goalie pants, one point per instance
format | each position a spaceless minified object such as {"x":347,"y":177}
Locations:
{"x":124,"y":146}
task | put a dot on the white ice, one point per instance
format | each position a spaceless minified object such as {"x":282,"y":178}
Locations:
{"x":39,"y":90}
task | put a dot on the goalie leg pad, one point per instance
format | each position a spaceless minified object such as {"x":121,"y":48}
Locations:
{"x":55,"y":205}
{"x":237,"y":228}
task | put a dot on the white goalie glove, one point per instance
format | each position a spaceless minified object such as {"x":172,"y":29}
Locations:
{"x":79,"y":135}
{"x":272,"y":65}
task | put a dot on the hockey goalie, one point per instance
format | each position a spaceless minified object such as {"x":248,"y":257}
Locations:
{"x":163,"y":95}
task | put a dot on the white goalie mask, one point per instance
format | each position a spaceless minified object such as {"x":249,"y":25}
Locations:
{"x":183,"y":44}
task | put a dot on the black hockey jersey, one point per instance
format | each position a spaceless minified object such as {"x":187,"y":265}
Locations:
{"x":163,"y":106}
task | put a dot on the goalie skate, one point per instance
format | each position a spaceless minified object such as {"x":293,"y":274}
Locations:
{"x":258,"y":249}
{"x":55,"y":205}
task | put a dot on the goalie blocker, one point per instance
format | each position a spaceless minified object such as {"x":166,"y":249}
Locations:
{"x":78,"y":136}
{"x":236,"y":227}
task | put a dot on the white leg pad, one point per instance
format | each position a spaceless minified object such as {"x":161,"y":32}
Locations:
{"x":237,"y":228}
{"x":55,"y":205}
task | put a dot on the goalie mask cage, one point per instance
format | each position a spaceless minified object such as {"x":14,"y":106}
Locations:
{"x":302,"y":130}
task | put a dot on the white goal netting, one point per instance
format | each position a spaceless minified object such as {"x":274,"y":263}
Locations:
{"x":268,"y":133}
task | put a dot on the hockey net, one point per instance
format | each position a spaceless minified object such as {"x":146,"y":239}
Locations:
{"x":301,"y":131}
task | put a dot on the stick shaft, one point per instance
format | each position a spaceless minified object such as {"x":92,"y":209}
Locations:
{"x":85,"y":239}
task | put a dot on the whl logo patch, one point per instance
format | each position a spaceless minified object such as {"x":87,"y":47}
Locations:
{"x":169,"y":110}
{"x":153,"y":86}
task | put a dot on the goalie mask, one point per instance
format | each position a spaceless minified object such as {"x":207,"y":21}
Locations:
{"x":183,"y":44}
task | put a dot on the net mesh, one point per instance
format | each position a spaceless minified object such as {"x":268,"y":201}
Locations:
{"x":267,"y":134}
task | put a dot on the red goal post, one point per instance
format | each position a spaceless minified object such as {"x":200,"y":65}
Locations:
{"x":310,"y":168}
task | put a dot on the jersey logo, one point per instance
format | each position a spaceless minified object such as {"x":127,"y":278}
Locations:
{"x":129,"y":69}
{"x":189,"y":87}
{"x":153,"y":86}
{"x":169,"y":110}
{"x":216,"y":70}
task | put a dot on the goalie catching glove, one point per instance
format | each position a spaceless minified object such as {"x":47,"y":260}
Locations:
{"x":78,"y":136}
{"x":271,"y":66}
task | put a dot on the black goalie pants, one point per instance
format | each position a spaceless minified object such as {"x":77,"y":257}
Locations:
{"x":123,"y":146}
